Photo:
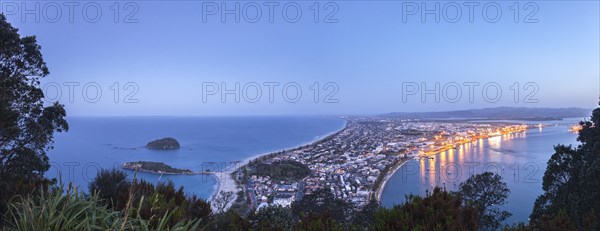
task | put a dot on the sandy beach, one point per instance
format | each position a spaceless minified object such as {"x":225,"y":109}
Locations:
{"x":226,"y":183}
{"x":388,"y":175}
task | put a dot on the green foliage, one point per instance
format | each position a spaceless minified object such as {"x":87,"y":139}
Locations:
{"x":572,"y":180}
{"x":71,"y":210}
{"x":322,"y":201}
{"x":229,"y":220}
{"x":241,"y":205}
{"x":518,"y":227}
{"x":156,"y":167}
{"x":164,"y":143}
{"x":486,"y":192}
{"x":273,"y":218}
{"x":438,"y":211}
{"x":364,"y":217}
{"x":27,"y":126}
{"x":285,"y":170}
{"x":162,"y":199}
{"x":318,"y":222}
{"x":556,"y":223}
{"x":111,"y":186}
{"x":154,"y":202}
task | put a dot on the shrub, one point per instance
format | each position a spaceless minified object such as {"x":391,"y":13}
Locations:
{"x":71,"y":210}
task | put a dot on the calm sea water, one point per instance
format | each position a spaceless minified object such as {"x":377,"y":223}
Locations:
{"x":206,"y":143}
{"x":214,"y":142}
{"x":519,"y":158}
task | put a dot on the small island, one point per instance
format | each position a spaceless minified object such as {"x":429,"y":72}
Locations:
{"x":155,"y":167}
{"x":164,"y":144}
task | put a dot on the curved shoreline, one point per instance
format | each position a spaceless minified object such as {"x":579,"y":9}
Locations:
{"x":227,"y":183}
{"x":294,"y":147}
{"x":389,"y":175}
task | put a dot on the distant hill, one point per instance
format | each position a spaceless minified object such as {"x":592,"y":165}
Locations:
{"x":507,"y":113}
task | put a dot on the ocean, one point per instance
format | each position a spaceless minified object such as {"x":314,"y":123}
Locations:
{"x":216,"y":142}
{"x":521,"y":160}
{"x":206,"y":143}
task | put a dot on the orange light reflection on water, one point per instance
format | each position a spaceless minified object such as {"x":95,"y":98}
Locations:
{"x":433,"y":174}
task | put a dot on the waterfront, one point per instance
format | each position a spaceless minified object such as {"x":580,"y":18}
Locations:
{"x":212,"y":143}
{"x":520,"y":158}
{"x":356,"y":163}
{"x":206,"y":143}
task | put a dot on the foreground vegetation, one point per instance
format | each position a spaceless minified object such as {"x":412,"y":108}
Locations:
{"x":29,"y":201}
{"x":72,"y":210}
{"x":152,"y":202}
{"x":116,"y":203}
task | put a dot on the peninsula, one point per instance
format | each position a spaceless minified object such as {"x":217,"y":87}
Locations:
{"x":356,"y":162}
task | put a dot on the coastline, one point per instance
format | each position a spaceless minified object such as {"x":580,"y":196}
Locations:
{"x":318,"y":140}
{"x":225,"y":181}
{"x":377,"y":192}
{"x":292,"y":148}
{"x":389,"y":174}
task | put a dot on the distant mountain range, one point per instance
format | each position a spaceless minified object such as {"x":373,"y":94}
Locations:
{"x":501,"y":113}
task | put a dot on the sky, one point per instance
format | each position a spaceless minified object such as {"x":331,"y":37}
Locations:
{"x":189,"y":58}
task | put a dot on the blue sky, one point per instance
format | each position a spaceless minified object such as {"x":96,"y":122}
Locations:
{"x":177,"y":50}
